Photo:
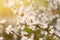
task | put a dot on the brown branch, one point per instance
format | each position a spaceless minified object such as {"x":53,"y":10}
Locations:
{"x":16,"y":34}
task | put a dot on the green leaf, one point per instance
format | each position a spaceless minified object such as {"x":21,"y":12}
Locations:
{"x":50,"y":38}
{"x":37,"y":34}
{"x":27,"y":29}
{"x":37,"y":31}
{"x":59,"y":13}
{"x":29,"y":35}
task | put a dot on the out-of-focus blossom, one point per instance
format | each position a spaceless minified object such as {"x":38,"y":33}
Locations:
{"x":9,"y":29}
{"x":51,"y":31}
{"x":1,"y":38}
{"x":2,"y":21}
{"x":34,"y":16}
{"x":40,"y":38}
{"x":24,"y":38}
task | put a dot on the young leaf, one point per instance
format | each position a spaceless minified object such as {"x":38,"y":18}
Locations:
{"x":27,"y":29}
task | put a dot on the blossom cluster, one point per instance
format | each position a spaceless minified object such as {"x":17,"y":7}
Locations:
{"x":36,"y":20}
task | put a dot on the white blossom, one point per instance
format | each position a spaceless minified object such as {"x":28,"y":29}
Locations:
{"x":40,"y":38}
{"x":32,"y":17}
{"x":51,"y":31}
{"x":1,"y":38}
{"x":24,"y":38}
{"x":9,"y":29}
{"x":23,"y":33}
{"x":3,"y":21}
